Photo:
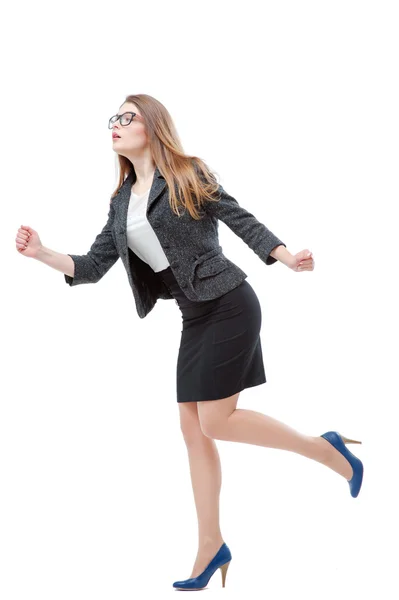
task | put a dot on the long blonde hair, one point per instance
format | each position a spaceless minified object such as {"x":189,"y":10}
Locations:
{"x":188,"y":175}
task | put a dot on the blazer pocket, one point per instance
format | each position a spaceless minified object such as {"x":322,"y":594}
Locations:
{"x":211,"y":267}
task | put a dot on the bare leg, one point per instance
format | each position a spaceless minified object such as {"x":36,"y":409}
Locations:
{"x":222,"y":420}
{"x":206,"y":479}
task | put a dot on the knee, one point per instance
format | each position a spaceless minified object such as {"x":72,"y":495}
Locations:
{"x":191,"y":428}
{"x":211,"y":427}
{"x":192,"y":435}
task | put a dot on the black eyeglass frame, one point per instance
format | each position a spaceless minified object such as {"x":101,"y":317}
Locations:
{"x":118,"y":118}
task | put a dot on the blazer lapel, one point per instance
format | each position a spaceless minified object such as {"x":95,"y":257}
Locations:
{"x":157,"y":187}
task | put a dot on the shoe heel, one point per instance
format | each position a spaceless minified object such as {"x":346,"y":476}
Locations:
{"x":223,"y":569}
{"x":348,"y":441}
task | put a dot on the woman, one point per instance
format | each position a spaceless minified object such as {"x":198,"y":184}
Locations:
{"x":163,"y":224}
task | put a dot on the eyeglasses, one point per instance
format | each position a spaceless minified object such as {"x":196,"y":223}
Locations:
{"x":125,"y":119}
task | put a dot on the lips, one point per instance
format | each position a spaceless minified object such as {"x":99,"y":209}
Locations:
{"x":114,"y":136}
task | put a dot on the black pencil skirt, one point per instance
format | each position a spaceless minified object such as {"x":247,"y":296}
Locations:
{"x":220,"y":350}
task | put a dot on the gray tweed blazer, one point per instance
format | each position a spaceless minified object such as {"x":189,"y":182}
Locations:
{"x":191,"y":246}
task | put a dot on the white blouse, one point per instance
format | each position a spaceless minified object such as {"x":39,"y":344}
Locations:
{"x":141,"y":237}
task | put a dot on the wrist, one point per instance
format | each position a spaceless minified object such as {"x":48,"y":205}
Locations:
{"x":283,"y":255}
{"x":40,"y":253}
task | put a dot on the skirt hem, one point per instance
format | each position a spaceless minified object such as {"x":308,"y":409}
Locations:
{"x":248,"y":385}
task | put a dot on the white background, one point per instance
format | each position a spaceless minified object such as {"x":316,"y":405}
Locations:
{"x":295,"y":106}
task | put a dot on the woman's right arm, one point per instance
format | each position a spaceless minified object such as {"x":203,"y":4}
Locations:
{"x":77,"y":268}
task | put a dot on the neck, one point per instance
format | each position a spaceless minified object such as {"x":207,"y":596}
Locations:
{"x":144,"y":170}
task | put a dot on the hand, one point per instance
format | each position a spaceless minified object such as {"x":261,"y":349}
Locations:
{"x":27,"y":241}
{"x":303,"y":261}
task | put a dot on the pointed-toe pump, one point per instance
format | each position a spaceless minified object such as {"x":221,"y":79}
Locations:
{"x":221,"y":561}
{"x":339,"y":441}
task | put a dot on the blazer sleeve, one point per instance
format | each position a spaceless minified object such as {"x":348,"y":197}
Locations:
{"x":91,"y":267}
{"x":244,"y":224}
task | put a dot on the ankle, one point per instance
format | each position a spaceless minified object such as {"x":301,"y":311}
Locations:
{"x":210,"y":540}
{"x":334,"y":459}
{"x":325,"y":450}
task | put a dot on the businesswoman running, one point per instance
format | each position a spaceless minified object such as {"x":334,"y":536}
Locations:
{"x":163,"y":224}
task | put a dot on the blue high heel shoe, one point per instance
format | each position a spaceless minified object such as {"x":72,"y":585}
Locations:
{"x":221,"y":561}
{"x":339,"y":441}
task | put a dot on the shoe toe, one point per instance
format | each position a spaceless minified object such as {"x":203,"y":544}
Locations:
{"x":183,"y":584}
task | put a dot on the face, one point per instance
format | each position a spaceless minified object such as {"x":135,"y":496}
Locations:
{"x":133,"y":138}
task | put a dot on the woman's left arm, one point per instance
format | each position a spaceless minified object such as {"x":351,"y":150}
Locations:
{"x":256,"y":235}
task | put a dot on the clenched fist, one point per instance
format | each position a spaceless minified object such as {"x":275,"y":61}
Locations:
{"x":303,"y":261}
{"x":27,"y":241}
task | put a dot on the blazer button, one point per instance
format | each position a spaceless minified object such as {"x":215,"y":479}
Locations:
{"x":121,"y":230}
{"x":184,"y":285}
{"x":176,"y":265}
{"x":166,"y":245}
